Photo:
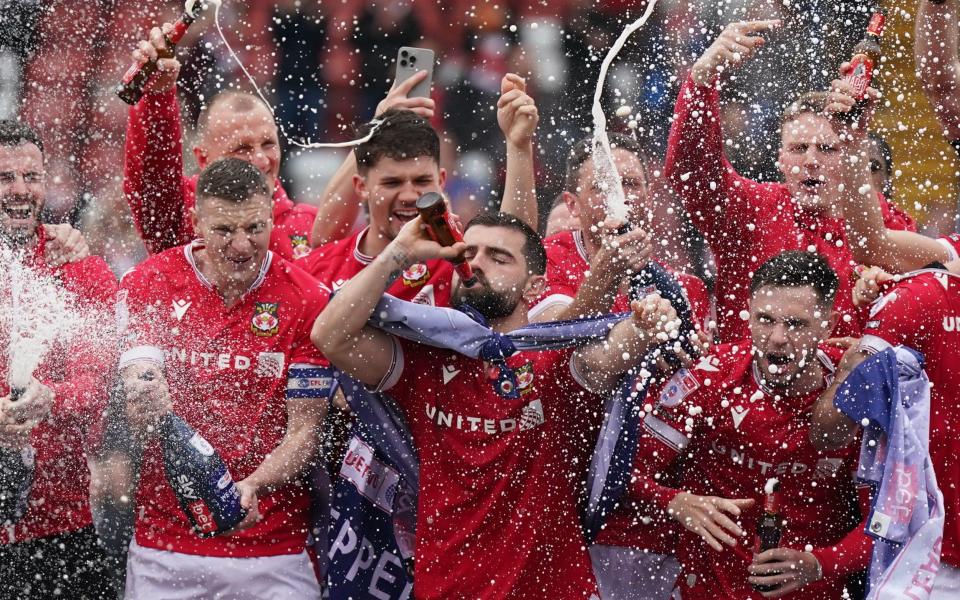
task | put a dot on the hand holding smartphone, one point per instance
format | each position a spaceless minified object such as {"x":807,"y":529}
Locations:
{"x":410,"y":61}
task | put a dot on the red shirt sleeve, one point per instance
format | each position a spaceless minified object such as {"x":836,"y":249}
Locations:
{"x":894,"y":217}
{"x":563,"y":278}
{"x":88,"y":362}
{"x":153,"y":181}
{"x":852,"y":552}
{"x":697,"y":296}
{"x":902,"y":315}
{"x":708,"y":185}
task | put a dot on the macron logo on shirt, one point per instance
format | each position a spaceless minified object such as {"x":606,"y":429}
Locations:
{"x":180,"y":308}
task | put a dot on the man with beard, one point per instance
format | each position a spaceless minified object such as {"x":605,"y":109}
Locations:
{"x":52,"y":550}
{"x":744,"y":221}
{"x":742,"y":417}
{"x":497,"y":513}
{"x":218,"y":331}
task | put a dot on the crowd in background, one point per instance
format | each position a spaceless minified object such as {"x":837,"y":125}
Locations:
{"x":326,"y":65}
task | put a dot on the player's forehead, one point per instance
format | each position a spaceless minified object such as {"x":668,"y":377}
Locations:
{"x":218,"y":212}
{"x":25,"y":158}
{"x":809,"y":128}
{"x":230,"y":125}
{"x":418,"y":167}
{"x":495,"y":239}
{"x":786,"y":302}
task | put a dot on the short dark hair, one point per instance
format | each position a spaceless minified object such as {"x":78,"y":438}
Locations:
{"x":231,"y":179}
{"x":582,"y":150}
{"x":237,"y":100}
{"x":794,"y":268}
{"x":885,"y":151}
{"x":401,"y":135}
{"x":14,"y":133}
{"x":533,"y":250}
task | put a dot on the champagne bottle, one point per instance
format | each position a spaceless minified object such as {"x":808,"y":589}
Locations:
{"x":130,"y":89}
{"x":16,"y":477}
{"x":200,"y":479}
{"x":443,"y":230}
{"x":769,"y":526}
{"x":866,"y":55}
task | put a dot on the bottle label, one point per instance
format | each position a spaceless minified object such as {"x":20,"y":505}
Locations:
{"x":131,"y":73}
{"x":201,"y":444}
{"x":861,"y":75}
{"x":202,"y":517}
{"x":877,"y":22}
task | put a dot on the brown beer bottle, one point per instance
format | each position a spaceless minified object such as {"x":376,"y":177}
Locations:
{"x":130,"y":89}
{"x":769,"y":526}
{"x":443,"y":230}
{"x":866,"y":55}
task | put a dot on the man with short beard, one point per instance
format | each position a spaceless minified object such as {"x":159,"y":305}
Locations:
{"x":745,"y":221}
{"x":741,"y":417}
{"x":498,"y":510}
{"x":52,"y":549}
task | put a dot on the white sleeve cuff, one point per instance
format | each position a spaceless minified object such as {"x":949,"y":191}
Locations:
{"x":548,"y":303}
{"x":142,"y":353}
{"x":392,"y":376}
{"x":951,"y":251}
{"x":874,"y":344}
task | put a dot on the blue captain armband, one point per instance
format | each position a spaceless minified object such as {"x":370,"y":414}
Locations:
{"x":310,"y":381}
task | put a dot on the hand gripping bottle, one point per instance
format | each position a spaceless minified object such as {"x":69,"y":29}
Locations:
{"x":16,"y":477}
{"x":866,"y":55}
{"x":442,"y":229}
{"x":200,"y":479}
{"x":769,"y":526}
{"x":130,"y":88}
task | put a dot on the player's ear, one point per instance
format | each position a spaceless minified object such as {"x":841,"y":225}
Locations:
{"x":360,"y":187}
{"x":832,"y":319}
{"x":194,"y":220}
{"x":570,"y":199}
{"x":442,"y":179}
{"x":536,"y":285}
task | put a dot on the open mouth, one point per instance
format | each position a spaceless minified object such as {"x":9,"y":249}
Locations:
{"x":19,"y":211}
{"x":239,"y":263}
{"x":812,"y":185}
{"x":778,"y":360}
{"x":404,"y":214}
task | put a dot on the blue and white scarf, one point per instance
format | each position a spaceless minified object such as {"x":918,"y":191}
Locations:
{"x":891,"y":391}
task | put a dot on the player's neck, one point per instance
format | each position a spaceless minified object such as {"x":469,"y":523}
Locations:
{"x":808,"y":381}
{"x":516,"y":320}
{"x":230,"y":290}
{"x":372,"y":242}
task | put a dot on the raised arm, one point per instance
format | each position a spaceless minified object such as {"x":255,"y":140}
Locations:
{"x":341,"y":330}
{"x":518,"y":118}
{"x":936,"y":51}
{"x":153,"y":154}
{"x":339,"y":204}
{"x":695,"y":162}
{"x":830,"y":429}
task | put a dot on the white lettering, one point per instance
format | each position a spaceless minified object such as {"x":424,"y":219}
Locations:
{"x":345,"y":543}
{"x":488,"y":426}
{"x":223,"y":361}
{"x":381,"y":572}
{"x":474,"y":423}
{"x":363,"y":560}
{"x":950,"y":324}
{"x":241,"y":363}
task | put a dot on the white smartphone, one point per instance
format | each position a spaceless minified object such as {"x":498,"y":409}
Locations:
{"x":409,"y":62}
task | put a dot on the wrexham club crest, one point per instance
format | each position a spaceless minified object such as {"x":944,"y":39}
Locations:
{"x":416,"y":275}
{"x":265,"y":322}
{"x":301,"y":247}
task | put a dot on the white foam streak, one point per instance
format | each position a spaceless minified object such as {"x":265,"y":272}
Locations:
{"x":307,"y":145}
{"x":605,"y":171}
{"x":41,"y":313}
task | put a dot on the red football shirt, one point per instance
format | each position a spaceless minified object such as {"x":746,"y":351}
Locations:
{"x":568,"y":263}
{"x":161,"y":197}
{"x":747,"y":222}
{"x":227,"y":371}
{"x":923,"y":312}
{"x":497,"y":514}
{"x":79,"y":375}
{"x":337,"y":262}
{"x":728,"y":434}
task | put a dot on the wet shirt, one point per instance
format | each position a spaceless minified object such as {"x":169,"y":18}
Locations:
{"x":227,"y":369}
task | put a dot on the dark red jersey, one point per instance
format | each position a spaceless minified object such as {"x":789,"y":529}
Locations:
{"x":497,"y":514}
{"x":230,"y":372}
{"x":336,"y":263}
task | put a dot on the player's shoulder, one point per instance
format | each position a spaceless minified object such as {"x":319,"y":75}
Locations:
{"x":295,"y":281}
{"x":924,"y":289}
{"x":563,"y":244}
{"x":724,"y":367}
{"x":160,"y":266}
{"x":333,"y":252}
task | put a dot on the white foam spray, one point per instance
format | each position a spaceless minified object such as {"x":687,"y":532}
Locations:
{"x":605,"y":172}
{"x":38,"y":313}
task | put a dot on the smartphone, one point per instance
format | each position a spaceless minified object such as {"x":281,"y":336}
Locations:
{"x":409,"y":62}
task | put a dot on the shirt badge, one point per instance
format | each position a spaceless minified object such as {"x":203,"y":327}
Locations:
{"x":265,"y":322}
{"x":301,"y":246}
{"x":525,"y":378}
{"x":415,"y":275}
{"x":681,"y":385}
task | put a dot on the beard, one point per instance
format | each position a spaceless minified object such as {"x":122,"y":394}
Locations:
{"x":488,"y":302}
{"x":24,"y":231}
